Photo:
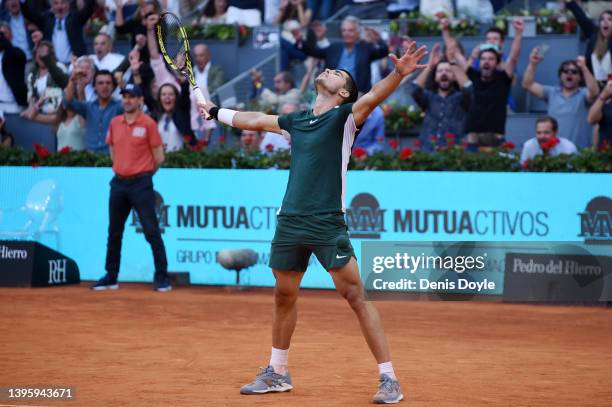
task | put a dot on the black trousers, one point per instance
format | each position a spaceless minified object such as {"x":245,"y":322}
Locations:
{"x":134,"y":193}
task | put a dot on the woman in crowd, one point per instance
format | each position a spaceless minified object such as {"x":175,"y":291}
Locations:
{"x":70,"y":129}
{"x":172,"y":113}
{"x":215,"y":12}
{"x":294,"y":10}
{"x":599,"y":46}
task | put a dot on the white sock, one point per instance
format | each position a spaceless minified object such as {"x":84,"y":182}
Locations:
{"x":387,"y":368}
{"x":279,"y":360}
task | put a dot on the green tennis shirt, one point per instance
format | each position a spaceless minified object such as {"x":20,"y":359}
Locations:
{"x":320,"y":152}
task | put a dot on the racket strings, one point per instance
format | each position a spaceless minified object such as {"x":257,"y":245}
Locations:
{"x":174,"y":40}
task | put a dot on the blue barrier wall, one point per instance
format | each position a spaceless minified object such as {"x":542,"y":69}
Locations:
{"x":203,"y":211}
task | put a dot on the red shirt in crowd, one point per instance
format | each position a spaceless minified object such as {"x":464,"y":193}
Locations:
{"x":133,"y":144}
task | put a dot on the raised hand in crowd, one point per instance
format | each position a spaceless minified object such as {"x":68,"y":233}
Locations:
{"x":37,"y":37}
{"x":140,"y":40}
{"x":134,"y":58}
{"x":535,"y":57}
{"x":519,"y":25}
{"x":119,"y":79}
{"x":371,"y":35}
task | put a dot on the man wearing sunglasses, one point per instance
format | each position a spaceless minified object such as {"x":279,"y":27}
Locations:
{"x":569,"y":102}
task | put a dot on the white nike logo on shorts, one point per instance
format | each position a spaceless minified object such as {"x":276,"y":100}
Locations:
{"x":341,"y":257}
{"x":313,"y":121}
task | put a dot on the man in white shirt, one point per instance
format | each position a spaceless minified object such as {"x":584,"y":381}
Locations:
{"x":104,"y":58}
{"x":208,"y":77}
{"x":274,"y":141}
{"x":17,"y":23}
{"x":546,"y":141}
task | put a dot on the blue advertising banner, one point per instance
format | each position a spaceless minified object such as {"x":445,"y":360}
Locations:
{"x":204,"y":211}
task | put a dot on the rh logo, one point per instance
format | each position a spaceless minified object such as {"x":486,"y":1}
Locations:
{"x":57,"y":271}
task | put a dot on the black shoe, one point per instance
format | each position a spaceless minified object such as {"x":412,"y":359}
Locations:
{"x":108,"y":282}
{"x":162,"y":284}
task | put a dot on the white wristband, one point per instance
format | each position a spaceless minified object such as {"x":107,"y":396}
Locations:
{"x":226,"y":116}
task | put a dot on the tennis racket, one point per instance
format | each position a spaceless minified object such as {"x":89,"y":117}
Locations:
{"x":174,"y":46}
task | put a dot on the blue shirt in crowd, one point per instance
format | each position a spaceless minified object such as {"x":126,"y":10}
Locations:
{"x":372,"y":135}
{"x":97,"y":121}
{"x":571,"y":113}
{"x":347,"y":61}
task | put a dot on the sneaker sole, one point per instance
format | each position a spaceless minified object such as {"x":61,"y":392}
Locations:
{"x":105,"y":287}
{"x":279,"y":389}
{"x":163,"y":290}
{"x":395,"y":401}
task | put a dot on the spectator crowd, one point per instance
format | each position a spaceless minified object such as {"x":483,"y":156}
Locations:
{"x":49,"y":75}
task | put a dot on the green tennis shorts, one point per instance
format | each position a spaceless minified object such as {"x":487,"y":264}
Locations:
{"x":298,"y":236}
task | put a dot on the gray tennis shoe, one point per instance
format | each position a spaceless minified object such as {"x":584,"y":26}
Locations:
{"x":268,"y":381}
{"x":389,"y":391}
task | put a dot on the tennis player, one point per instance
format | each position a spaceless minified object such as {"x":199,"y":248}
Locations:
{"x":311,"y":218}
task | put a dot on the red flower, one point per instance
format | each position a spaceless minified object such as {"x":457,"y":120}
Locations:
{"x":417,"y":143}
{"x":440,"y":14}
{"x":34,"y":165}
{"x":525,"y":165}
{"x":450,"y":142}
{"x":65,"y":150}
{"x":243,"y":30}
{"x":394,"y":144}
{"x":508,"y":145}
{"x":200,"y":145}
{"x":433,"y":138}
{"x":269,"y":147}
{"x":406,"y":153}
{"x":567,"y":27}
{"x":359,"y":152}
{"x":222,"y":139}
{"x":187,"y":138}
{"x":449,"y":136}
{"x":41,"y":151}
{"x":604,"y":146}
{"x":548,"y":144}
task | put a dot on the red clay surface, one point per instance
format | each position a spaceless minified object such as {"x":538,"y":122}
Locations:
{"x":197,"y":346}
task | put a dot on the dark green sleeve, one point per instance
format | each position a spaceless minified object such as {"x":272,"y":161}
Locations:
{"x":285,"y":122}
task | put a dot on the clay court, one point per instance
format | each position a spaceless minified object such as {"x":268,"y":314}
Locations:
{"x":196,"y":346}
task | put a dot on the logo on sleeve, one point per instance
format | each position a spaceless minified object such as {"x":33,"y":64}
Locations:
{"x":139,"y":132}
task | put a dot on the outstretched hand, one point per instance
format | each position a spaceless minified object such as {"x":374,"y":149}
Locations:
{"x":409,"y":62}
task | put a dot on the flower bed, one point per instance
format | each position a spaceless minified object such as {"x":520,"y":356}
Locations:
{"x":446,"y":158}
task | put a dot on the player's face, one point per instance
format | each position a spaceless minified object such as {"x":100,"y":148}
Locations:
{"x":488,"y":64}
{"x":332,"y":80}
{"x":104,"y":86}
{"x":102,"y":46}
{"x":131,"y":103}
{"x":444,"y":76}
{"x":605,"y":24}
{"x":167,"y":98}
{"x":544,"y":132}
{"x":350,"y":33}
{"x":570,"y":76}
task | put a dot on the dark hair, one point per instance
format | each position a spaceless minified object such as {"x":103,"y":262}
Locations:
{"x":104,"y":72}
{"x":566,"y":63}
{"x":159,"y":91}
{"x":430,"y":83}
{"x":548,"y":119}
{"x":498,"y":56}
{"x":351,"y":87}
{"x":209,"y":9}
{"x":498,"y":31}
{"x":287,"y":77}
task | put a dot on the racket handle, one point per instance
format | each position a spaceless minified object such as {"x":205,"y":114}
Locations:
{"x":200,"y":99}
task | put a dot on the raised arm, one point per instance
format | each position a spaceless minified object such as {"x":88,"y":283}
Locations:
{"x":254,"y":121}
{"x":589,"y":79}
{"x":403,"y":66}
{"x":515,"y":50}
{"x":596,"y":111}
{"x":86,"y":12}
{"x":434,"y":59}
{"x":586,"y":24}
{"x":529,"y":82}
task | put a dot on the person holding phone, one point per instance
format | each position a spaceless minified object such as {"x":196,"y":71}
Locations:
{"x":568,"y":102}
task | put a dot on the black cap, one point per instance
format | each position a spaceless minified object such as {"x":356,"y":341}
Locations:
{"x":132,"y":89}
